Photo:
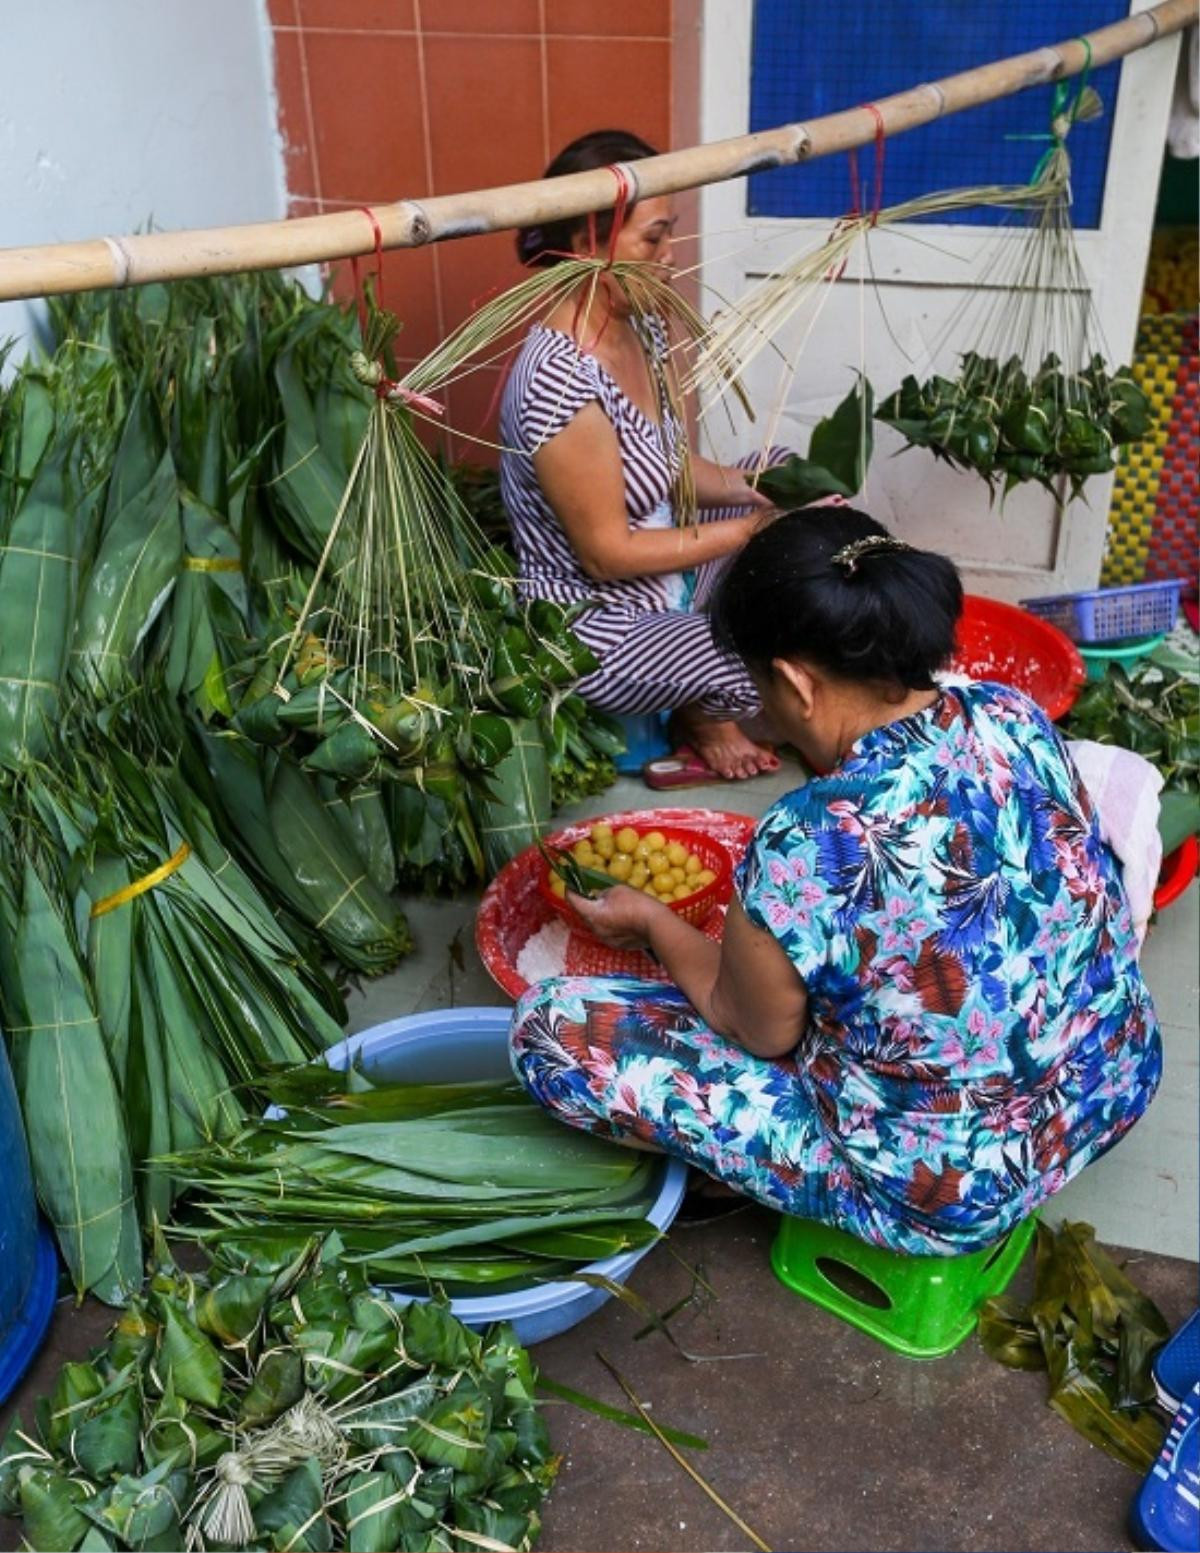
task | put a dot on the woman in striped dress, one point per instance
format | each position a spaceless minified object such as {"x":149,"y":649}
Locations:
{"x":591,"y":457}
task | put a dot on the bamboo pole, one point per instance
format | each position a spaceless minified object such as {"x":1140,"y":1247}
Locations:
{"x":53,"y":268}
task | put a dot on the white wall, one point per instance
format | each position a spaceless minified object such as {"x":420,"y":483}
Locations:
{"x":114,"y":113}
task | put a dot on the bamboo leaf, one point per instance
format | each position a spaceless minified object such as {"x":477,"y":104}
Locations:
{"x":50,"y":1504}
{"x":232,"y":1308}
{"x":278,"y":1383}
{"x":129,"y":583}
{"x":187,"y":1359}
{"x":107,"y":1442}
{"x":295,"y":1510}
{"x":71,"y":1108}
{"x":371,"y":1513}
{"x":37,"y":586}
{"x":590,"y":1404}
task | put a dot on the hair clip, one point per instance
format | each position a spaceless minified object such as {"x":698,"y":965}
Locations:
{"x":850,"y":555}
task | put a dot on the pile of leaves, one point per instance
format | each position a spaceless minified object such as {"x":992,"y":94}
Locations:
{"x":1094,"y":1333}
{"x":471,"y":1186}
{"x":177,"y":468}
{"x":145,"y":987}
{"x":412,"y":658}
{"x":1012,"y":426}
{"x":281,"y":1405}
{"x":1148,"y":708}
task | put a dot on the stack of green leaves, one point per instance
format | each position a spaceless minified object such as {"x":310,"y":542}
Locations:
{"x":287,"y":835}
{"x":1012,"y":426}
{"x":1095,"y":1333}
{"x":41,"y":539}
{"x":412,"y":659}
{"x":1150,"y":709}
{"x":469,"y":1186}
{"x":63,"y":1066}
{"x":281,"y":1405}
{"x":582,"y":744}
{"x":146,"y":988}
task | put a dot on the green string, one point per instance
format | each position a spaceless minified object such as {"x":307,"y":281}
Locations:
{"x":1064,"y":110}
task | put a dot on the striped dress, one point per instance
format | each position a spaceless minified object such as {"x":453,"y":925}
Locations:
{"x":654,"y":642}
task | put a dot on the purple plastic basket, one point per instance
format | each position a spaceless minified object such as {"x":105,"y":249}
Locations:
{"x":1112,"y":614}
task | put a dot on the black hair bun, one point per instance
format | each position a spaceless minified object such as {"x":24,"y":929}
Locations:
{"x":831,"y":586}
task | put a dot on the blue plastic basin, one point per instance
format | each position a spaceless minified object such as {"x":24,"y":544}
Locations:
{"x":28,"y":1259}
{"x":460,"y":1045}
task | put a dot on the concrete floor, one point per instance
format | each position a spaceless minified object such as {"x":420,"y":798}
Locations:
{"x":820,"y":1438}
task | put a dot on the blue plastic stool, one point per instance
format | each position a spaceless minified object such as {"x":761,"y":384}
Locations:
{"x":645,"y":739}
{"x":920,"y":1306}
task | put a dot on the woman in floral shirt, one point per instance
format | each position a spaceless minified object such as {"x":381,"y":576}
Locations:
{"x":926,"y":1015}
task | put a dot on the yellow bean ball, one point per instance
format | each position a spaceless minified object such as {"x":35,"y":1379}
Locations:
{"x":678,"y":875}
{"x":648,"y":889}
{"x":657,"y":863}
{"x":582,"y":852}
{"x":664,"y":884}
{"x":681,"y":892}
{"x":676,"y":854}
{"x":643,"y":849}
{"x":705,"y":876}
{"x":655,"y":840}
{"x":558,"y":887}
{"x":638,"y":875}
{"x":601,"y":830}
{"x":621,"y":866}
{"x":626,"y":838}
{"x":693,"y":864}
{"x":605,"y":847}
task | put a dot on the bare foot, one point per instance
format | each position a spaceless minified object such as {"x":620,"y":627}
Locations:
{"x":724,"y":747}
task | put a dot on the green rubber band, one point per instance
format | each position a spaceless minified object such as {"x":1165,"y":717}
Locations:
{"x":1062,"y":105}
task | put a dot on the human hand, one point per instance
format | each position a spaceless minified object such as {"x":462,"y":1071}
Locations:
{"x":758,"y":500}
{"x":620,"y":917}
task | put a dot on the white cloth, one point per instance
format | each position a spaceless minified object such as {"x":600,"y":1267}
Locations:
{"x":1124,"y":788}
{"x":1183,"y":128}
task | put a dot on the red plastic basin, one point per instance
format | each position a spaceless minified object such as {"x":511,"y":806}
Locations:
{"x":1000,"y":642}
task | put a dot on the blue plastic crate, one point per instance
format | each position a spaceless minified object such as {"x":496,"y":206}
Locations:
{"x":1112,"y":614}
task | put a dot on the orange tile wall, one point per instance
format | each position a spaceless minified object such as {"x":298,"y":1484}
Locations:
{"x":383,"y":99}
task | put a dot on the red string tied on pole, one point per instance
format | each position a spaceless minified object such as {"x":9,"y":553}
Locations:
{"x":620,"y":210}
{"x":358,"y":293}
{"x":856,"y":208}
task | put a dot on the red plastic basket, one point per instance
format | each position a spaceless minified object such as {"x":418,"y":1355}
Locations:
{"x":1177,"y":872}
{"x":697,"y":908}
{"x":514,"y":908}
{"x":1000,"y":642}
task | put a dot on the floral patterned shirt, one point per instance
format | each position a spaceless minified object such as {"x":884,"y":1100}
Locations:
{"x":978,"y":1028}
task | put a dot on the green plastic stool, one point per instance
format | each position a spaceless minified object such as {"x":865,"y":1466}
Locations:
{"x":922,"y":1306}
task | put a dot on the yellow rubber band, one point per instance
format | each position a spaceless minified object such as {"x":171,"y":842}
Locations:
{"x":210,"y":563}
{"x":147,"y":882}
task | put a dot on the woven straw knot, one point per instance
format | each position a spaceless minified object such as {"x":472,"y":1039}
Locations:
{"x":232,"y":1467}
{"x":368,"y":372}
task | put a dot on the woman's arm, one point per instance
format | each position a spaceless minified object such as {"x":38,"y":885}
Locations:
{"x":724,"y":485}
{"x":744,"y":988}
{"x":581,"y":477}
